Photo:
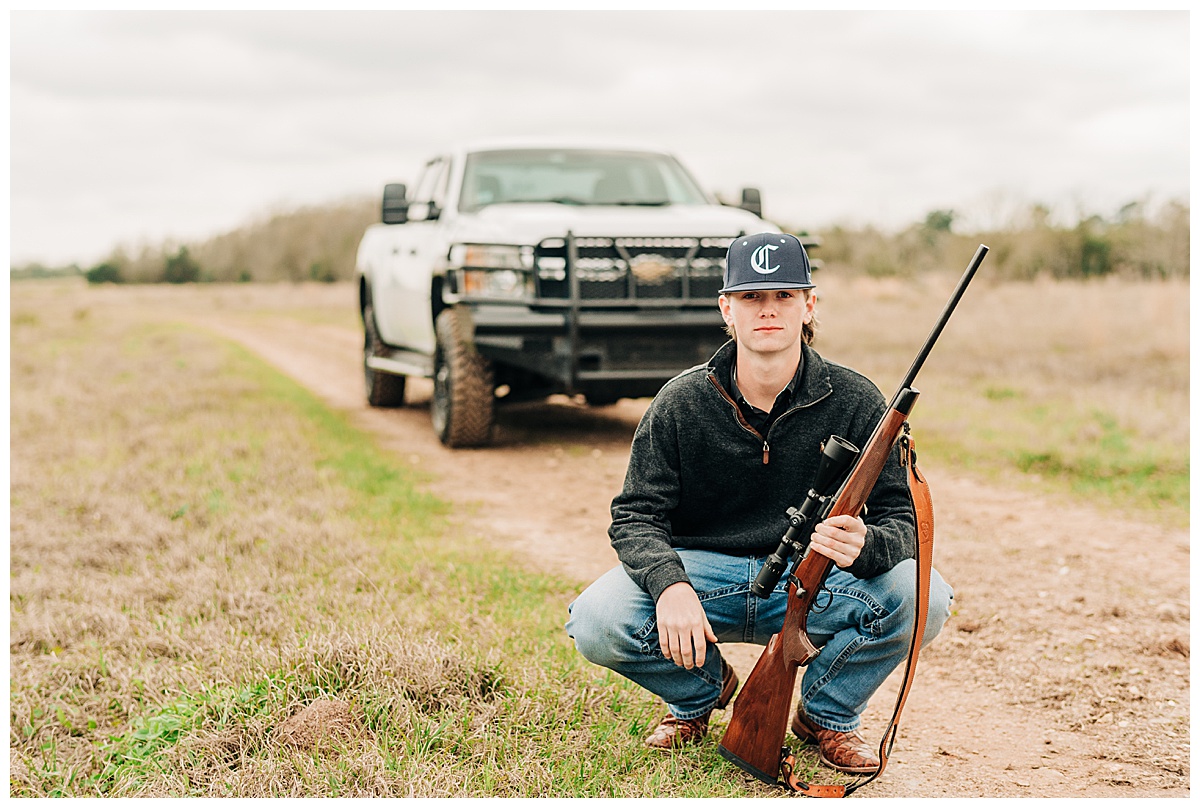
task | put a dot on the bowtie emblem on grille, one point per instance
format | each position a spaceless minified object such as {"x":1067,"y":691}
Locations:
{"x":760,"y":260}
{"x":651,"y":268}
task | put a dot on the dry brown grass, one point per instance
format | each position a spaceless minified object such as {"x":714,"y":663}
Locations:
{"x":193,"y":564}
{"x":1069,"y":385}
{"x":200,"y":554}
{"x":172,"y":536}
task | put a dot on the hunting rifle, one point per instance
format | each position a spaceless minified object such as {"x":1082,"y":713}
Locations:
{"x":754,"y":739}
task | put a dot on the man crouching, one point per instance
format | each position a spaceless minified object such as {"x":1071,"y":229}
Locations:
{"x":720,"y":455}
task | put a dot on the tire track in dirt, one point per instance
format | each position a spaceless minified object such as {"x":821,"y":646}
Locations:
{"x":1008,"y":701}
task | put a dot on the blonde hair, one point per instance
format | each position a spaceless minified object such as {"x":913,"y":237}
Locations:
{"x":808,"y":334}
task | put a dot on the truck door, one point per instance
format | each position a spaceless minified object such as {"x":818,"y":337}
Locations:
{"x":402,"y":295}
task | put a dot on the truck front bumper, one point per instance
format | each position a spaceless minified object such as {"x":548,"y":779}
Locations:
{"x":613,"y":352}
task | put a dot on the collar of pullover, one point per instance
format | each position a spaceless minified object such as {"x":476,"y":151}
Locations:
{"x":812,"y":386}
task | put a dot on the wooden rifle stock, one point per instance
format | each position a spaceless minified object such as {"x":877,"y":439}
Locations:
{"x":754,"y":739}
{"x":755,"y":736}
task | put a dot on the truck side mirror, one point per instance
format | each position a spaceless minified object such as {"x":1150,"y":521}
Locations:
{"x":752,"y":201}
{"x":395,"y":203}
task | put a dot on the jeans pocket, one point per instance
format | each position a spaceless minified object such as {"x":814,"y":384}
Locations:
{"x":643,"y":634}
{"x":644,"y":631}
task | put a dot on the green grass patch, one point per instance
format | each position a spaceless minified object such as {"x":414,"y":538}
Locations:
{"x":1059,"y":447}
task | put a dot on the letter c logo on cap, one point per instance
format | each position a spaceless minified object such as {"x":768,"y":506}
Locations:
{"x":760,"y":260}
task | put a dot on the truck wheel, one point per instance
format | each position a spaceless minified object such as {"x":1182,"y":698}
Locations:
{"x":383,"y":389}
{"x":463,"y":407}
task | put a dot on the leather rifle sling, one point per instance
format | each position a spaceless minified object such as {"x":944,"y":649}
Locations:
{"x":923,"y":506}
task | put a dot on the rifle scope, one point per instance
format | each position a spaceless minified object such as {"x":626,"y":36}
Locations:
{"x":837,"y":456}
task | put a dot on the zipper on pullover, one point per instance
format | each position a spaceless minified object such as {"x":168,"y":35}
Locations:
{"x":741,"y":418}
{"x":746,"y":426}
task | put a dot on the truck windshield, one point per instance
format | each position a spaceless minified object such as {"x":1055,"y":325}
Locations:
{"x":575,"y":177}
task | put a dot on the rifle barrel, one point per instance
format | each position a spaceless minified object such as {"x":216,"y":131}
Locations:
{"x":911,"y":376}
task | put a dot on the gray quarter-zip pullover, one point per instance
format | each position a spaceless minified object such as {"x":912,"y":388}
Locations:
{"x":701,"y":477}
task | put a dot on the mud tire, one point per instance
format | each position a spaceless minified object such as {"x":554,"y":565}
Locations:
{"x":383,"y":389}
{"x":463,"y":406}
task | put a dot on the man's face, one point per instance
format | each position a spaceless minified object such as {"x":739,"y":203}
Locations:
{"x":768,"y":321}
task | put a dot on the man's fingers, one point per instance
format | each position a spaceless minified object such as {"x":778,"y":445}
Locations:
{"x":831,"y":550}
{"x":670,"y":642}
{"x":841,"y":545}
{"x":846,"y":522}
{"x":834,"y":532}
{"x":685,"y":650}
{"x":677,"y":647}
{"x":845,"y":528}
{"x":828,"y":552}
{"x":683,"y":627}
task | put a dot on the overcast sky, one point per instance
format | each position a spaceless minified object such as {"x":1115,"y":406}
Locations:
{"x":130,"y":127}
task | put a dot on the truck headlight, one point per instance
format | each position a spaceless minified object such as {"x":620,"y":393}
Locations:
{"x":491,"y":256}
{"x":499,"y":271}
{"x":506,"y":284}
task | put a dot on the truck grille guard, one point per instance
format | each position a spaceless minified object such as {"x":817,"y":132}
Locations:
{"x":634,"y":271}
{"x":611,"y":310}
{"x":592,"y":272}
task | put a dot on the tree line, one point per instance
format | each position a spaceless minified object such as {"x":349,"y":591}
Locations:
{"x":316,"y":243}
{"x":319,"y":244}
{"x":1131,"y":244}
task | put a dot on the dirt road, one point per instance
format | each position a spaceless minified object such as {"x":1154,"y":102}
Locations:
{"x":1064,"y":672}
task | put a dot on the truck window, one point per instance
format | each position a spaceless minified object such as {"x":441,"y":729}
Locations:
{"x":576,"y":177}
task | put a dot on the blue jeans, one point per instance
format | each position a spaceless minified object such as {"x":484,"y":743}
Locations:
{"x":863,"y":632}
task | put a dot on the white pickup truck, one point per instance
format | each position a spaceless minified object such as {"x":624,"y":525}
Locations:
{"x":514,"y":272}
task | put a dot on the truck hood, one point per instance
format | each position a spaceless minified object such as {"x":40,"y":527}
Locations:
{"x":530,"y":223}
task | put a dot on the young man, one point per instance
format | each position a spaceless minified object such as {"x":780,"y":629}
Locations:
{"x":720,"y":455}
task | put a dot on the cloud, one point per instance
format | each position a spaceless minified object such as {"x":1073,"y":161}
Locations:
{"x":147,"y":125}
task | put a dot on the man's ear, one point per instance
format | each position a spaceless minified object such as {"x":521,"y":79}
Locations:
{"x":810,"y":304}
{"x":723,"y":305}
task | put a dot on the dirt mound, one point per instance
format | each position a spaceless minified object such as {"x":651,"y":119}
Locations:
{"x":325,"y":723}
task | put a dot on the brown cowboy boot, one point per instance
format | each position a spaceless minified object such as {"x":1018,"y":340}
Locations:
{"x":844,"y":751}
{"x":673,"y":732}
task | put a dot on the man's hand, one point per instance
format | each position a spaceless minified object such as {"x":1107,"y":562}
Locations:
{"x":683,"y":626}
{"x":840,"y":538}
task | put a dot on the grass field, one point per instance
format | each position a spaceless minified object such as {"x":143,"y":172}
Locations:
{"x":199,"y":548}
{"x":1068,"y":388}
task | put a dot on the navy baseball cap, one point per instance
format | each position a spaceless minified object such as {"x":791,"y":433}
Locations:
{"x":766,"y":261}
